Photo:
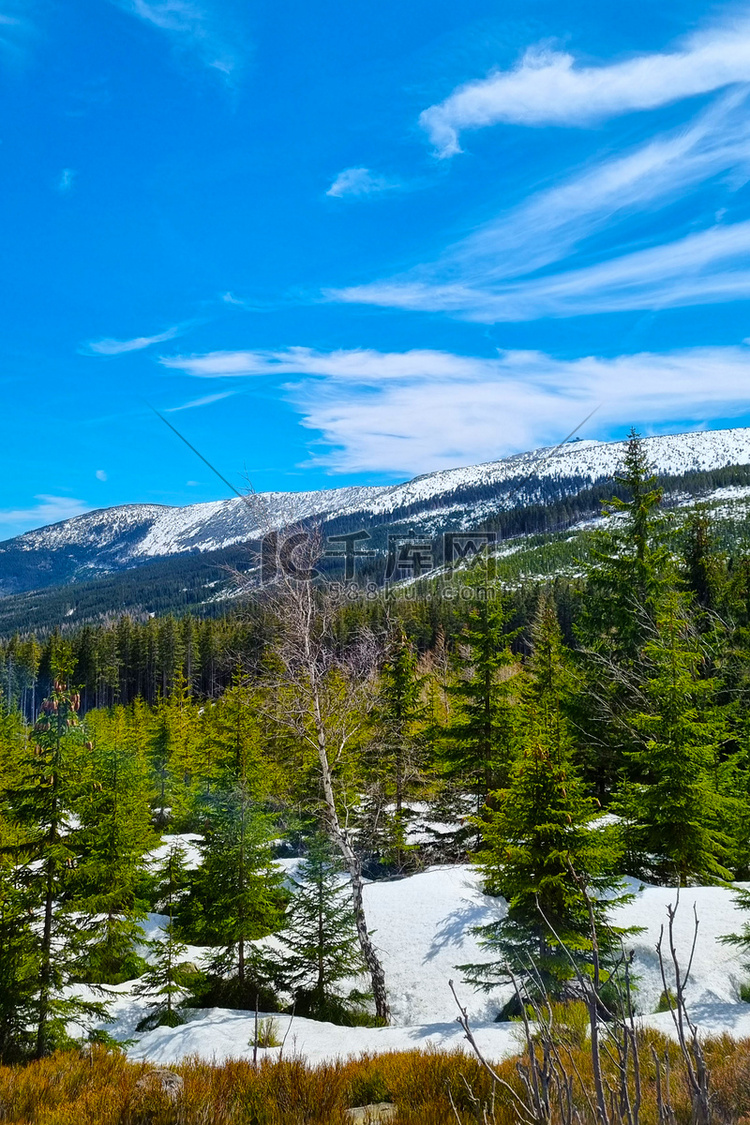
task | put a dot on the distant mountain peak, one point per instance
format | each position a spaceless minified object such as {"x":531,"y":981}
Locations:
{"x":113,"y":539}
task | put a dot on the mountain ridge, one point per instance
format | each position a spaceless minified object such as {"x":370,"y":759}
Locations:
{"x":110,"y":541}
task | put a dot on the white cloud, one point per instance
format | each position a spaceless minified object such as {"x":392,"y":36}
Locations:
{"x":50,"y":509}
{"x":100,"y":474}
{"x":109,"y":346}
{"x":361,"y":363}
{"x":703,"y":268}
{"x":552,"y":222}
{"x":471,"y":277}
{"x":416,"y":411}
{"x":65,"y":180}
{"x":194,"y":27}
{"x":548,"y":88}
{"x":205,"y":401}
{"x":360,"y":181}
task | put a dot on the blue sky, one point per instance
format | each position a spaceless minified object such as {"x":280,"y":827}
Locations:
{"x":347,"y":242}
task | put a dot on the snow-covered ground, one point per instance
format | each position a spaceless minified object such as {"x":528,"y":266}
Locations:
{"x":423,"y":927}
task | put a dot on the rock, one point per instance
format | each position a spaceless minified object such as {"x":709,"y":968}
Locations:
{"x":371,"y":1114}
{"x":161,"y":1081}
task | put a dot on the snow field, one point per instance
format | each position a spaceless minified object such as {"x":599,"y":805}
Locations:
{"x":422,"y":925}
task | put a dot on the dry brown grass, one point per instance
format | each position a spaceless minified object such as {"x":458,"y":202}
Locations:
{"x":98,"y":1087}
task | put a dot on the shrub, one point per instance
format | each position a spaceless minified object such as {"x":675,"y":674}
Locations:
{"x":267,"y":1034}
{"x":667,"y":1001}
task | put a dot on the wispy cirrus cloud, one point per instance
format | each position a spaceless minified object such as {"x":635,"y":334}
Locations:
{"x":361,"y":181}
{"x":109,"y":346}
{"x":48,"y":509}
{"x":551,"y":223}
{"x":548,"y":88}
{"x":195,"y":27}
{"x":700,"y":269}
{"x":206,"y":400}
{"x":369,"y":406}
{"x":475,"y":277}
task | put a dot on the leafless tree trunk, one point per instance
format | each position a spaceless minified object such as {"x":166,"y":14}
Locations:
{"x":324,"y":696}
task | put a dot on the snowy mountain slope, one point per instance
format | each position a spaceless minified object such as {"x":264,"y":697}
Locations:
{"x":156,"y":530}
{"x":113,"y":540}
{"x":587,"y":461}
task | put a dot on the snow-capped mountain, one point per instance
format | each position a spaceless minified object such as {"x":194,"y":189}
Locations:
{"x":141,"y":531}
{"x":116,"y":539}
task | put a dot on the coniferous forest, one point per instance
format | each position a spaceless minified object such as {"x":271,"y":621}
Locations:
{"x":569,"y":735}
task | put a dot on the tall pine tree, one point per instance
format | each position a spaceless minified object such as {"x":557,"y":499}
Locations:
{"x":43,"y":803}
{"x":398,"y":738}
{"x":477,"y":741}
{"x":166,"y":981}
{"x":629,"y":570}
{"x":541,"y":847}
{"x":237,"y":894}
{"x":674,"y":809}
{"x":115,"y":834}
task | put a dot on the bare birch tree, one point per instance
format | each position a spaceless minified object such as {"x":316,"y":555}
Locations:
{"x":323,"y":694}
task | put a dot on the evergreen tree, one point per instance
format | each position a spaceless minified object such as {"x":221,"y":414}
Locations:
{"x":42,"y":804}
{"x":629,"y":570}
{"x":175,"y":755}
{"x":674,"y":810}
{"x":114,"y":836}
{"x":166,"y":980}
{"x":320,"y":939}
{"x":540,"y":845}
{"x":477,"y":742}
{"x":19,"y":965}
{"x":704,"y":563}
{"x":237,"y":893}
{"x":232,"y":744}
{"x":398,"y":717}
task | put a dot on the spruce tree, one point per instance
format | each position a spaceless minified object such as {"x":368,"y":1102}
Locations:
{"x":175,"y":755}
{"x":43,"y":801}
{"x":704,"y":565}
{"x":237,"y":894}
{"x":541,"y":847}
{"x":398,"y":716}
{"x":674,"y":810}
{"x":165,"y":980}
{"x":114,"y":835}
{"x":19,"y":965}
{"x":628,"y":571}
{"x":320,"y":939}
{"x":477,"y":742}
{"x":232,"y":745}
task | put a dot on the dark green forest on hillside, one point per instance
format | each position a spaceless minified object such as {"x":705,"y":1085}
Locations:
{"x":313,"y":724}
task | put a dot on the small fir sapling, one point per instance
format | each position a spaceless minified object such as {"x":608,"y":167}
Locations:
{"x":166,"y":981}
{"x":320,"y":939}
